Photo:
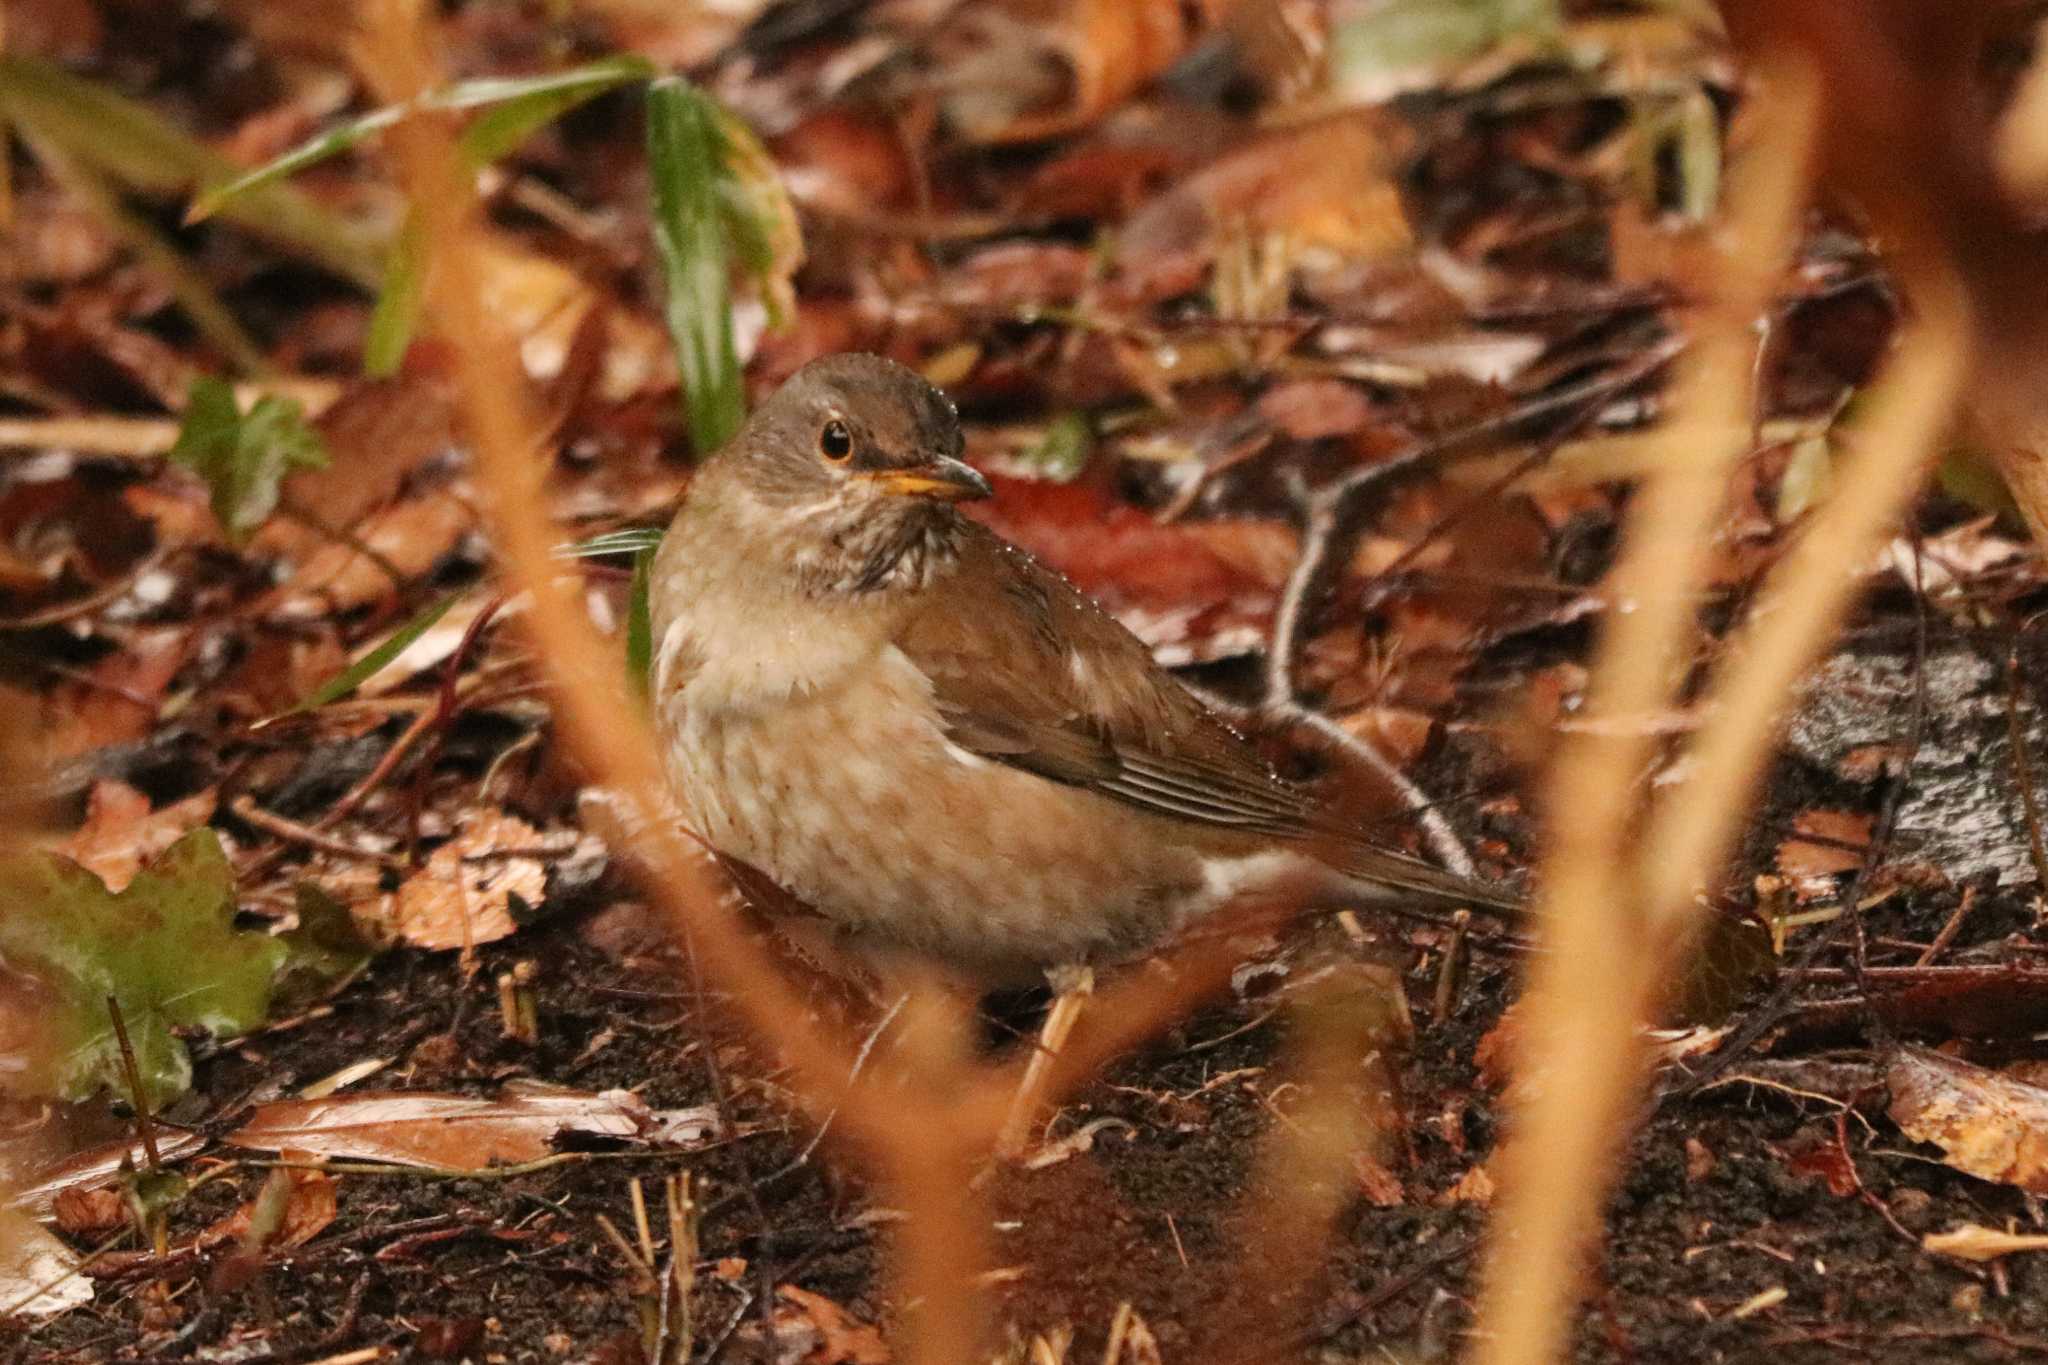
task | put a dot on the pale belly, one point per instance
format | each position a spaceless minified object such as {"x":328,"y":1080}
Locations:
{"x":853,"y":800}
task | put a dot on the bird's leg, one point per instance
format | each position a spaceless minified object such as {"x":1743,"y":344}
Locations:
{"x":1071,"y":986}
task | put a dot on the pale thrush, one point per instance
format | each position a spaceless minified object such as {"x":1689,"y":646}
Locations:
{"x":936,"y":742}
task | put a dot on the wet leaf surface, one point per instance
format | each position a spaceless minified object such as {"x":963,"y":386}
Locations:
{"x":165,"y":948}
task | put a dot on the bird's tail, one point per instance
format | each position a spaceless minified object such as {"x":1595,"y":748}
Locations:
{"x":1386,"y":875}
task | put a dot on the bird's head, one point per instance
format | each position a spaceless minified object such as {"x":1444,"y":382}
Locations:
{"x":854,"y":464}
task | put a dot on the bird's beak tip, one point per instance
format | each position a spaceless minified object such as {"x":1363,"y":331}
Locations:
{"x":944,"y":478}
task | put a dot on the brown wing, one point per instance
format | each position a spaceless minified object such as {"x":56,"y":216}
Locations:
{"x":1031,"y":673}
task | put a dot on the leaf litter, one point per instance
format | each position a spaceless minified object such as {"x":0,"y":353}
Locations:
{"x":1182,"y":280}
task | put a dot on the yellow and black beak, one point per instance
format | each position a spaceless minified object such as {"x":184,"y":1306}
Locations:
{"x":943,"y":478}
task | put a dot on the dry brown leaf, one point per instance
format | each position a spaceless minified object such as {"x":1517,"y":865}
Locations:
{"x":98,"y":1167}
{"x":1312,"y":409}
{"x":410,"y":535}
{"x":1192,"y":595}
{"x":842,"y":1339}
{"x":121,"y":832}
{"x":462,"y":1132}
{"x":454,"y":902}
{"x":1474,"y":1187}
{"x":90,"y":1212}
{"x":308,"y":1209}
{"x":117,"y":701}
{"x":1987,"y":1124}
{"x":1839,"y":838}
{"x":1043,"y":68}
{"x":376,"y":433}
{"x":1329,"y":186}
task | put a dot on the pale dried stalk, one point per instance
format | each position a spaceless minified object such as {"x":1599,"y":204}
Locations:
{"x":1586,"y":997}
{"x":916,"y":1117}
{"x":1807,"y":594}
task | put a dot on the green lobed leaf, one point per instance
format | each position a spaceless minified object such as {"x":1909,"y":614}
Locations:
{"x":165,"y":948}
{"x":374,"y":662}
{"x":244,"y":457}
{"x":687,"y":156}
{"x":326,"y":950}
{"x":524,"y":103}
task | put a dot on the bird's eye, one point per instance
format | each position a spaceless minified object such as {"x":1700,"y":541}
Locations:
{"x":835,"y":442}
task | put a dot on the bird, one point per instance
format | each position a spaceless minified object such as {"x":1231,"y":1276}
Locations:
{"x":945,"y":751}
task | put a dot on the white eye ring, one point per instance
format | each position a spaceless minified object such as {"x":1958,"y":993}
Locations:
{"x":835,"y":442}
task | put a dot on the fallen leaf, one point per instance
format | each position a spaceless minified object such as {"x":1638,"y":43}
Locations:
{"x":467,"y":892}
{"x":842,"y":1340}
{"x":1036,"y":69}
{"x":98,"y":1168}
{"x":121,"y":832}
{"x":165,"y":948}
{"x":1329,"y":186}
{"x":463,"y":1132}
{"x":1987,"y":1124}
{"x":410,"y":536}
{"x":1312,"y":409}
{"x":38,"y":1274}
{"x":1168,"y":583}
{"x":308,"y":1207}
{"x":94,"y":1213}
{"x":1838,"y":840}
{"x":1475,"y":1186}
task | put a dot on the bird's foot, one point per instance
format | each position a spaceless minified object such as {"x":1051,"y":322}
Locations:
{"x":1071,"y":987}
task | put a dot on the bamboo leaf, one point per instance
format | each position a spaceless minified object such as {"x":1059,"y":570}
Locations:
{"x":132,"y":145}
{"x":626,"y":541}
{"x":640,"y":624}
{"x":687,"y":153}
{"x":374,"y":662}
{"x":397,"y":314}
{"x":523,"y":104}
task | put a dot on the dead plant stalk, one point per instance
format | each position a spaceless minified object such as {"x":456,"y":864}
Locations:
{"x":1586,"y":1001}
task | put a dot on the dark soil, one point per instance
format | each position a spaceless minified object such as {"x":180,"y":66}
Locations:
{"x":1737,"y":1234}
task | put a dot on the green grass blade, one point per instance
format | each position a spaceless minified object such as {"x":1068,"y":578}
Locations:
{"x":523,"y":104}
{"x":686,"y":155}
{"x":521,"y":108}
{"x":397,"y":314}
{"x":373,"y":663}
{"x":630,"y":540}
{"x":133,"y":146}
{"x":640,"y":626}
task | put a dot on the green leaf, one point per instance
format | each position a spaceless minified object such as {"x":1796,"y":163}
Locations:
{"x":244,"y":458}
{"x":134,"y":146}
{"x":326,"y":950}
{"x":1379,"y":50}
{"x":373,"y":663}
{"x":165,"y":948}
{"x":640,"y":624}
{"x":629,"y":540}
{"x":521,"y":108}
{"x":687,"y":152}
{"x":526,"y":103}
{"x":760,"y":221}
{"x":1064,"y":450}
{"x":397,"y":314}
